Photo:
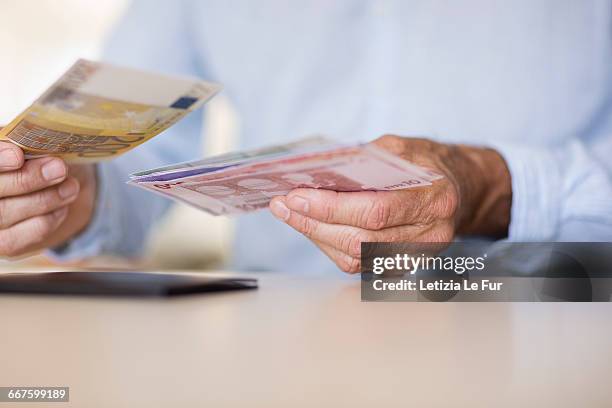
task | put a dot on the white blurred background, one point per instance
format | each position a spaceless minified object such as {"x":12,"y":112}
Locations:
{"x":39,"y":39}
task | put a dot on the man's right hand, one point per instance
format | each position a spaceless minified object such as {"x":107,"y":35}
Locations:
{"x":43,"y":202}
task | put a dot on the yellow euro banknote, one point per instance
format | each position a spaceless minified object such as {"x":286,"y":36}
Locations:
{"x":98,"y":111}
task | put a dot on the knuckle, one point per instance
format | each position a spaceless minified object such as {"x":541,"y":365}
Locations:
{"x":354,"y":265}
{"x":377,"y":216}
{"x":389,"y":138}
{"x":42,"y":201}
{"x":389,"y":142}
{"x":17,"y":152}
{"x":428,"y":210}
{"x":442,"y":234}
{"x":344,"y":241}
{"x":22,"y":181}
{"x":41,"y":227}
{"x":447,"y":202}
{"x":308,"y":226}
{"x":328,"y":211}
{"x":350,"y":241}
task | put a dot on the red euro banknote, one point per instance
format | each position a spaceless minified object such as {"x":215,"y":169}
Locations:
{"x":250,"y":185}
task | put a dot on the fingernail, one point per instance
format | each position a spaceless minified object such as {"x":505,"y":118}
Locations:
{"x":8,"y":158}
{"x":68,"y":189}
{"x":299,"y":204}
{"x":53,"y":170}
{"x":279,"y":210}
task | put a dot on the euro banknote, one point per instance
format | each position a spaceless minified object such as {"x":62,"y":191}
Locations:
{"x":222,"y":187}
{"x":98,"y":111}
{"x":235,"y":158}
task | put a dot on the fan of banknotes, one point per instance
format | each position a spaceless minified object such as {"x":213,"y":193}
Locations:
{"x":99,"y":111}
{"x":242,"y":182}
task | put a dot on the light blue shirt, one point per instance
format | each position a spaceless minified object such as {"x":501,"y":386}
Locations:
{"x":532,"y":78}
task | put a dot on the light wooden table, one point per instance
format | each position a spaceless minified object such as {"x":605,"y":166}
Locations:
{"x":306,"y":342}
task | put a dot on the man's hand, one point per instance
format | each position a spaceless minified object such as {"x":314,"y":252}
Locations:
{"x":474,"y":198}
{"x":43,"y":202}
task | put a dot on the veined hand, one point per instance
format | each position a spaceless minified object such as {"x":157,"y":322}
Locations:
{"x":474,"y":198}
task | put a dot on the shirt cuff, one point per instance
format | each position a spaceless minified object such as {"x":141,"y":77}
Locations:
{"x":536,"y":192}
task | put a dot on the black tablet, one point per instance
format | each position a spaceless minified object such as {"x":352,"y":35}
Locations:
{"x":115,"y":283}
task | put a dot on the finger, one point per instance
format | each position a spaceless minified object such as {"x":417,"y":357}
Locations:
{"x":372,"y":210}
{"x":35,"y":175}
{"x":19,"y":208}
{"x":345,"y":238}
{"x":24,"y":236}
{"x":11,"y":157}
{"x":345,"y":262}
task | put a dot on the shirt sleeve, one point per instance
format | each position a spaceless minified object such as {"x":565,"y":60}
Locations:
{"x":561,"y":192}
{"x":152,"y":35}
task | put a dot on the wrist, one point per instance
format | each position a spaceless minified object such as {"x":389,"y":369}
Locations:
{"x":81,"y":211}
{"x":486,"y":193}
